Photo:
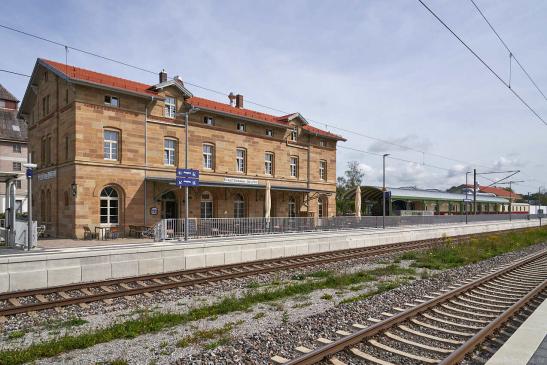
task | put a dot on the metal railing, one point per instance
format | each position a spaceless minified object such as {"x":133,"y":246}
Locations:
{"x":173,"y":229}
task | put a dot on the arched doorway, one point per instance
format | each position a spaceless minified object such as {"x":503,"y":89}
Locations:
{"x":109,"y":207}
{"x":292,"y":207}
{"x":239,"y":206}
{"x":169,"y":206}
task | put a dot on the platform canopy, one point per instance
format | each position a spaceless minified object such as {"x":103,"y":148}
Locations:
{"x":373,"y":193}
{"x":6,"y":176}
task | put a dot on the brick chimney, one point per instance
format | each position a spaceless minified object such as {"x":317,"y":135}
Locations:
{"x":239,"y":101}
{"x":163,"y":76}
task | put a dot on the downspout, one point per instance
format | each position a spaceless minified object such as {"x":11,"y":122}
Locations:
{"x":146,"y":156}
{"x":308,"y":177}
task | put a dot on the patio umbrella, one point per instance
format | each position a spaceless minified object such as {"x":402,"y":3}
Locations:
{"x":358,"y":201}
{"x":267,"y":202}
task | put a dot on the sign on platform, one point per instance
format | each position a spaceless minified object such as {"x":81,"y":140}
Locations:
{"x":184,"y":181}
{"x":189,"y":173}
{"x":187,"y":177}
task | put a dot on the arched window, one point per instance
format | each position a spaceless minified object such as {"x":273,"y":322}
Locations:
{"x":109,"y":207}
{"x":206,"y":205}
{"x":239,"y":206}
{"x":321,"y":207}
{"x":292,"y":207}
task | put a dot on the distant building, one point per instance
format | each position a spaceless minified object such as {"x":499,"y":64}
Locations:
{"x":492,"y":190}
{"x":13,"y":148}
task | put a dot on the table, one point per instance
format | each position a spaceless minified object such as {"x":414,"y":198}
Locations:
{"x":102,"y":232}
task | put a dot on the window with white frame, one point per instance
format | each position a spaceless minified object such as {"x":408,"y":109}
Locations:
{"x":111,"y":141}
{"x":109,"y":207}
{"x":269,"y":132}
{"x":268,"y":163}
{"x":208,"y":153}
{"x":111,"y":101}
{"x":323,"y":170}
{"x":16,"y":148}
{"x":322,"y":143}
{"x":294,"y":134}
{"x":170,"y":107}
{"x":321,"y":207}
{"x":206,"y":205}
{"x":294,"y":166}
{"x":169,"y":151}
{"x":240,"y":160}
{"x":16,"y":166}
{"x":241,"y":127}
{"x":18,"y":184}
{"x":208,"y":121}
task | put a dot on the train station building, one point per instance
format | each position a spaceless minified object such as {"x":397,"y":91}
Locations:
{"x":107,"y":149}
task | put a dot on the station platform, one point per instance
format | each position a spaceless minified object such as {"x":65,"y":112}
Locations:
{"x":54,"y":266}
{"x":528,"y":345}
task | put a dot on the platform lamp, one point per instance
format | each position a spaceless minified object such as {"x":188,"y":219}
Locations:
{"x":186,"y":114}
{"x":30,"y":166}
{"x":384,"y":189}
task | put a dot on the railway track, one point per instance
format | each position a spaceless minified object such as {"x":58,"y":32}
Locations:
{"x":458,"y":325}
{"x":31,"y":301}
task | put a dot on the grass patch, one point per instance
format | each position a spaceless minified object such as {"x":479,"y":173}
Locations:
{"x":15,"y":334}
{"x":203,"y":335}
{"x":380,"y":288}
{"x":477,"y":249}
{"x":302,"y":305}
{"x":71,"y":322}
{"x":259,"y":315}
{"x":214,"y":344}
{"x":326,"y":296}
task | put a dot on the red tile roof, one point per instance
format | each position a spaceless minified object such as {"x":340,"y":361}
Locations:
{"x":501,"y":192}
{"x":81,"y":74}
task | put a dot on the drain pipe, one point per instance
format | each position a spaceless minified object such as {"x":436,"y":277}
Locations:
{"x":146,"y":156}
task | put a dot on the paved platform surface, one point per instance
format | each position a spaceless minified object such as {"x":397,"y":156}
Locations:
{"x":528,"y":345}
{"x":54,"y":266}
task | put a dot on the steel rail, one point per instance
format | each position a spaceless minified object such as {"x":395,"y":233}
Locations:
{"x":211,"y":274}
{"x":334,"y":347}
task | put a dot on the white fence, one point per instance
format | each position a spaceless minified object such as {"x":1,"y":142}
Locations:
{"x":173,"y":229}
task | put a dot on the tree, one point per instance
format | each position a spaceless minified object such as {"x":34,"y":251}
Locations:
{"x":354,"y":176}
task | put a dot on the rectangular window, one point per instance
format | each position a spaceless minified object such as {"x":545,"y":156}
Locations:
{"x":46,"y":74}
{"x":269,"y":132}
{"x":323,"y":170}
{"x":294,"y":166}
{"x":169,"y":148}
{"x":170,"y":107}
{"x":17,"y":166}
{"x":208,"y":151}
{"x":241,"y":127}
{"x":208,"y":121}
{"x":16,"y":148}
{"x":240,"y":160}
{"x":111,"y":101}
{"x":18,"y":184}
{"x":268,"y":163}
{"x":294,"y":134}
{"x":322,"y":143}
{"x":111,"y":140}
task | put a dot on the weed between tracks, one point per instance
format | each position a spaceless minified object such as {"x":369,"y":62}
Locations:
{"x":446,"y":257}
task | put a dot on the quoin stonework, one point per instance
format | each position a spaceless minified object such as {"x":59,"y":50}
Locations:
{"x":107,"y":150}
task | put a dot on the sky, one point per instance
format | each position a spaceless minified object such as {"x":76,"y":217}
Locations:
{"x":368,"y":70}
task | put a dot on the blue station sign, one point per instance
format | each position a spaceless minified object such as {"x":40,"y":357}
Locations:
{"x":187,"y":177}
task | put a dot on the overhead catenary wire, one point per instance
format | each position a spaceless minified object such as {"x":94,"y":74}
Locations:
{"x":511,"y":53}
{"x":14,"y":73}
{"x":312,"y":122}
{"x":484,"y":63}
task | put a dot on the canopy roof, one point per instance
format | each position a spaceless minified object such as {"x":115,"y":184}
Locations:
{"x":375,"y":193}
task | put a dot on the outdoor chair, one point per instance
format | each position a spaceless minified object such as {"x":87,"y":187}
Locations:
{"x":88,"y":234}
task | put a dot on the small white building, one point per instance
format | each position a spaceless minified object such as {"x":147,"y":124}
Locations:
{"x":13,"y":148}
